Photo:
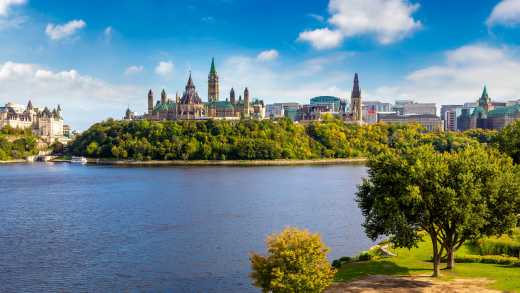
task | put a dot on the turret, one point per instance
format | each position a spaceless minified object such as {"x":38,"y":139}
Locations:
{"x":246,"y":96}
{"x":150,"y":102}
{"x":177,"y":97}
{"x":163,"y":97}
{"x":30,"y":105}
{"x":232,"y":96}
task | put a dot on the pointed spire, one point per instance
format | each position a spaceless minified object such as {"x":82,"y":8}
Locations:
{"x":356,"y":92}
{"x":59,"y":108}
{"x":163,"y":97}
{"x":485,"y":93}
{"x":30,"y":106}
{"x":213,"y":70}
{"x":150,"y":93}
{"x":190,"y":82}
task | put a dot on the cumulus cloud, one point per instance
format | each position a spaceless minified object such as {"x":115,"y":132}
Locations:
{"x":134,"y":69}
{"x":164,"y":68}
{"x":62,"y":31}
{"x":268,"y":55}
{"x":5,"y":5}
{"x":85,"y":99}
{"x":322,"y":38}
{"x":286,"y":82}
{"x":507,"y":12}
{"x":387,"y":20}
{"x":462,"y":75}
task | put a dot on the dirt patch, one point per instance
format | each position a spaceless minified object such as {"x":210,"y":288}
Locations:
{"x":419,"y":284}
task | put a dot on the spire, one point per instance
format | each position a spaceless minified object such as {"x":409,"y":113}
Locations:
{"x":190,"y":82}
{"x":150,"y":93}
{"x":484,"y":93}
{"x":232,"y":96}
{"x":213,"y":70}
{"x":30,"y":106}
{"x":356,"y":92}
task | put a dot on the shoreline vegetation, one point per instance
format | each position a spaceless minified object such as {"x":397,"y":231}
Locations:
{"x":246,"y":163}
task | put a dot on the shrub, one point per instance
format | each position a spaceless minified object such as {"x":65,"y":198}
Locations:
{"x":500,"y":246}
{"x":364,"y":256}
{"x":296,"y":261}
{"x":490,"y":259}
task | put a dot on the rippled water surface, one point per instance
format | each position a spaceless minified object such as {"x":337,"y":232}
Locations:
{"x":69,"y":228}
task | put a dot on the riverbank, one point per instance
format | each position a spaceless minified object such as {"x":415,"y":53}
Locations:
{"x":228,"y":162}
{"x":407,"y":265}
{"x":13,"y":162}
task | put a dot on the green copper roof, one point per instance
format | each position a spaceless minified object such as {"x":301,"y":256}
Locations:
{"x":484,"y":93}
{"x":212,"y":70}
{"x":221,"y":105}
{"x":504,"y":111}
{"x":479,"y":112}
{"x":165,"y":107}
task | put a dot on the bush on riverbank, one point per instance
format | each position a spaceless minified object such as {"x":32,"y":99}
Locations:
{"x":296,"y":261}
{"x":17,"y":144}
{"x":251,"y":140}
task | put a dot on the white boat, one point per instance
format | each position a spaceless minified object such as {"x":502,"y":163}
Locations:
{"x":78,"y":160}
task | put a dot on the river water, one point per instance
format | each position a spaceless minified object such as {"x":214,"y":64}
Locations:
{"x":72,"y":228}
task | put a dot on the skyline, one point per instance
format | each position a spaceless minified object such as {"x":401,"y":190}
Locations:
{"x":97,"y":58}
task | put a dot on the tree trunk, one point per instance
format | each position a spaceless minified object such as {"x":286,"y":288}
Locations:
{"x":451,"y":258}
{"x":436,"y":257}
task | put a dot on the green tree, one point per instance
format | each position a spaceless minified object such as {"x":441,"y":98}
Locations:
{"x":296,"y":262}
{"x":452,"y":196}
{"x":509,"y":140}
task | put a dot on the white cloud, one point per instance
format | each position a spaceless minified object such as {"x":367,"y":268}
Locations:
{"x":268,"y":55}
{"x":387,"y":20}
{"x":462,"y":75}
{"x":164,"y":68}
{"x":5,"y":5}
{"x":108,"y":33}
{"x":275,"y":82}
{"x":507,"y":12}
{"x":85,"y":99}
{"x":61,"y":31}
{"x":322,"y":38}
{"x":134,"y":69}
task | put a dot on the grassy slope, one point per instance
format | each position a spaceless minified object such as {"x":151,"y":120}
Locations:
{"x":413,"y":262}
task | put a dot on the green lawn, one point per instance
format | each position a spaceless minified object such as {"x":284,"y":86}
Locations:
{"x":415,"y":261}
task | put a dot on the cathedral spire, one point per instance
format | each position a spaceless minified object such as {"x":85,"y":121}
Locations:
{"x":190,"y":82}
{"x":212,"y":70}
{"x":356,"y":92}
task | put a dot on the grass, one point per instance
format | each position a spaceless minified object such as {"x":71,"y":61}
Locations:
{"x":416,"y":261}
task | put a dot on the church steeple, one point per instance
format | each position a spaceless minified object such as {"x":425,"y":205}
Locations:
{"x":485,"y":101}
{"x":355,"y":101}
{"x":213,"y":83}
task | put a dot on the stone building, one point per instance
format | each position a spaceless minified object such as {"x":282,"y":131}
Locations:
{"x":487,"y":114}
{"x":428,"y":121}
{"x":45,"y":123}
{"x":191,"y":107}
{"x":356,"y":114}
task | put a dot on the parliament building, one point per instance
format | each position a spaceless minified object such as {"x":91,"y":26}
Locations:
{"x":191,"y":107}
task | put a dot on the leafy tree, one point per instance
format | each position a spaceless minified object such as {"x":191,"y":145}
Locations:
{"x":452,"y":196}
{"x":509,"y":140}
{"x":296,"y":262}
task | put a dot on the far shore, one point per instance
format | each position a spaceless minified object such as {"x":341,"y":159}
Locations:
{"x":228,"y":162}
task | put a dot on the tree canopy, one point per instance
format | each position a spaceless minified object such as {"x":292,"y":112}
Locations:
{"x":453,"y":196}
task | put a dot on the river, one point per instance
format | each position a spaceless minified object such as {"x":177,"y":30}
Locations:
{"x":72,"y":228}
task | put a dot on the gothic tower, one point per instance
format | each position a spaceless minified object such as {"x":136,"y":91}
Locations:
{"x":246,"y":102}
{"x":163,"y":97}
{"x":232,"y":96}
{"x":355,"y":101}
{"x":213,"y":84}
{"x":485,"y":101}
{"x":150,"y":102}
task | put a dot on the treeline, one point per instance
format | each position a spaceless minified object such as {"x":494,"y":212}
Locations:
{"x":256,"y":140}
{"x":17,"y":144}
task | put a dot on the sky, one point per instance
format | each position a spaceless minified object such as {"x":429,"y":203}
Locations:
{"x":96,"y":58}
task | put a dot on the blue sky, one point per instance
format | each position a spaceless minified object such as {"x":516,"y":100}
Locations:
{"x":95,"y":58}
